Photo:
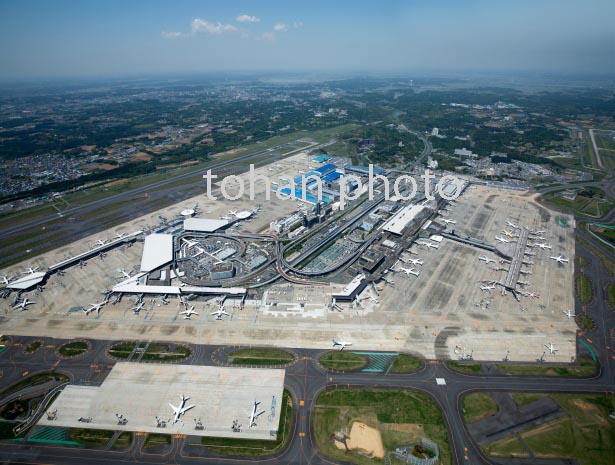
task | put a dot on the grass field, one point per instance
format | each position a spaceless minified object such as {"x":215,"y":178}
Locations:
{"x":477,"y":406}
{"x":124,"y":440}
{"x":589,"y":201}
{"x":156,"y":440}
{"x":72,"y":349}
{"x":585,"y":367}
{"x":343,"y":361}
{"x":610,"y":293}
{"x":402,"y":417}
{"x":585,"y":322}
{"x":33,"y":346}
{"x":582,"y":261}
{"x":255,"y":448}
{"x":604,"y":233}
{"x":524,"y":398}
{"x":90,"y":437}
{"x":583,"y":288}
{"x":405,"y":363}
{"x":607,"y":263}
{"x":260,"y":357}
{"x":463,"y":367}
{"x":586,"y":433}
{"x":154,"y":352}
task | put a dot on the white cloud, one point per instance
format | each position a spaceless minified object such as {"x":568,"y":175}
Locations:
{"x":202,"y":25}
{"x":269,"y":36}
{"x":247,"y":19}
{"x":170,"y":35}
{"x":280,"y":27}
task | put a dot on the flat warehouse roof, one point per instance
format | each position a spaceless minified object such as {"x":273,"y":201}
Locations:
{"x":400,"y":220}
{"x":157,"y":251}
{"x":203,"y":224}
{"x":220,"y":396}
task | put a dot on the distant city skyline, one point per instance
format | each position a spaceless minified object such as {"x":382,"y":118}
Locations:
{"x":43,"y":39}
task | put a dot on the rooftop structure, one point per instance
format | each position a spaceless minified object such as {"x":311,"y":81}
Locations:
{"x":321,"y":159}
{"x":363,"y":170}
{"x":352,"y":289}
{"x":398,"y":222}
{"x":220,"y":396}
{"x":157,"y":251}
{"x":204,"y":224}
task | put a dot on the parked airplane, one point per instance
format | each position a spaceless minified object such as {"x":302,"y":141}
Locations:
{"x":5,"y":279}
{"x":23,"y":304}
{"x":416,"y":261}
{"x":93,"y":307}
{"x":180,"y":409}
{"x":232,"y":212}
{"x":408,"y":271}
{"x":164,"y":300}
{"x":219,"y":313}
{"x":449,"y":221}
{"x":543,"y":245}
{"x":388,"y":281}
{"x":138,"y":308}
{"x":512,"y":225}
{"x":508,"y":233}
{"x":559,"y":259}
{"x":101,"y":242}
{"x":428,"y":244}
{"x":551,"y":348}
{"x":569,"y":314}
{"x":30,"y":270}
{"x":124,"y":273}
{"x":501,"y":239}
{"x":487,"y":288}
{"x":254,"y":414}
{"x":486,"y":259}
{"x":342,"y":344}
{"x":189,"y":312}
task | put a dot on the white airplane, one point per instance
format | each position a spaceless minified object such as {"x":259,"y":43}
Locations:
{"x":5,"y":279}
{"x":23,"y":304}
{"x":232,"y":212}
{"x":181,"y":409}
{"x":449,"y":221}
{"x":30,"y":270}
{"x":101,"y":242}
{"x":93,"y":307}
{"x":254,"y":414}
{"x":487,"y":288}
{"x":219,"y":313}
{"x":409,"y":271}
{"x":501,"y":239}
{"x":569,"y":314}
{"x":188,"y":243}
{"x":551,"y":348}
{"x":508,"y":233}
{"x":428,"y":244}
{"x":124,"y":273}
{"x":189,"y":312}
{"x":543,"y":245}
{"x":138,"y":308}
{"x":372,"y":299}
{"x":486,"y":259}
{"x":416,"y":261}
{"x":388,"y":281}
{"x":164,"y":300}
{"x":342,"y":344}
{"x":512,"y":225}
{"x":559,"y":259}
{"x":120,"y":235}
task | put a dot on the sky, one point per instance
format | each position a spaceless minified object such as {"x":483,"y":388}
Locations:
{"x":109,"y":38}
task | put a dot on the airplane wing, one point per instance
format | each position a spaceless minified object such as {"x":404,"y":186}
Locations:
{"x":175,"y":409}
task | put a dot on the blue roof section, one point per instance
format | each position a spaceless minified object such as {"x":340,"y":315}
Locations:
{"x":326,"y":169}
{"x":322,"y":159}
{"x":331,"y":176}
{"x":299,"y":195}
{"x":364,"y":169}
